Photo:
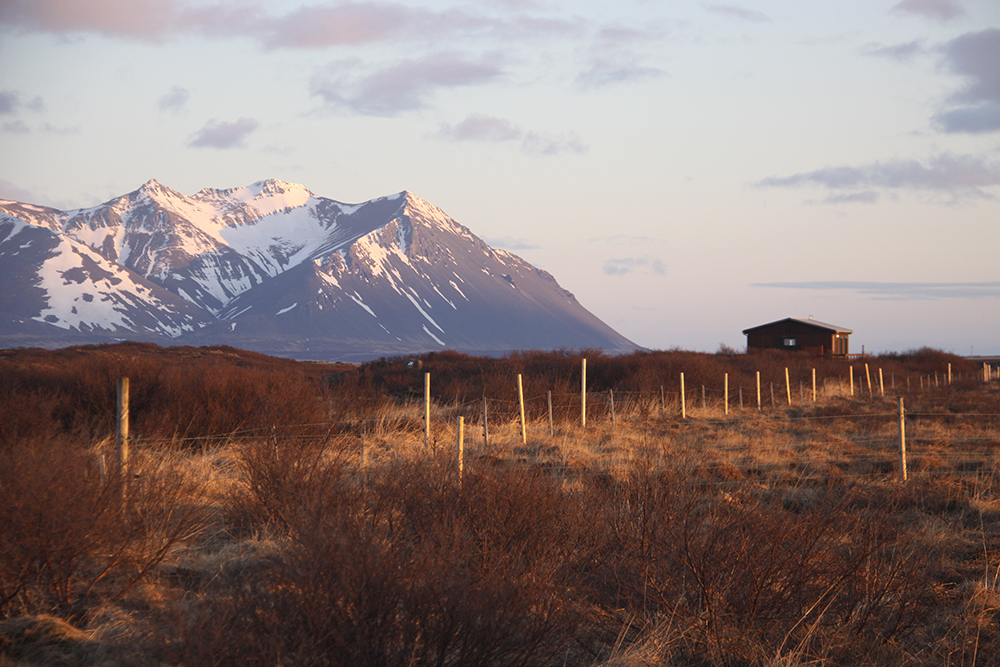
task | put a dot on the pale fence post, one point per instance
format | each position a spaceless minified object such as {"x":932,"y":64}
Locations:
{"x":902,"y":440}
{"x":758,"y":392}
{"x":851,"y":369}
{"x":611,"y":403}
{"x":814,"y":384}
{"x":460,"y":446}
{"x":868,"y":376}
{"x":725,"y":393}
{"x":121,"y":434}
{"x":427,"y":412}
{"x":881,"y":384}
{"x":552,"y":430}
{"x":788,"y":387}
{"x":583,"y":394}
{"x":520,"y":402}
{"x":702,"y":397}
{"x":949,"y":373}
{"x":683,"y":400}
{"x":741,"y":397}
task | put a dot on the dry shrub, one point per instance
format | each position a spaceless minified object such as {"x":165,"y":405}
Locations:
{"x":72,"y":536}
{"x":745,"y":579}
{"x":408,"y":568}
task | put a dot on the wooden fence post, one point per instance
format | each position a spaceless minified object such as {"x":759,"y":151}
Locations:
{"x":520,"y":402}
{"x":851,"y":369}
{"x":741,"y":397}
{"x":661,"y":400}
{"x":814,"y":384}
{"x":758,"y":391}
{"x":683,"y":404}
{"x":460,"y":446}
{"x":552,"y":431}
{"x":868,"y":376}
{"x":121,"y":434}
{"x":772,"y":393}
{"x":881,"y":384}
{"x":788,"y":387}
{"x":702,"y":397}
{"x":427,"y":412}
{"x":902,"y":440}
{"x":725,"y":393}
{"x":486,"y":427}
{"x":949,"y":373}
{"x":583,"y":394}
{"x":611,"y":404}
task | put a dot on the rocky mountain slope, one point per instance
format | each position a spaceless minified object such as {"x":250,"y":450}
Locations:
{"x":273,"y":268}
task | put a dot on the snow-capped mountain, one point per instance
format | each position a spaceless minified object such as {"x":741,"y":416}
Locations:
{"x":274,"y":268}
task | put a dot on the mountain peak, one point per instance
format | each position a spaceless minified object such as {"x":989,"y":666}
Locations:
{"x":273,"y":186}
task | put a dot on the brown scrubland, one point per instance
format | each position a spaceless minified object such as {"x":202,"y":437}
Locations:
{"x":275,"y":512}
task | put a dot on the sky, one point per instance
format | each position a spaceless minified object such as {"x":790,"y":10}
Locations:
{"x":688,"y":169}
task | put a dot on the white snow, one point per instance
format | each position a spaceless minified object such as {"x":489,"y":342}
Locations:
{"x":444,"y":297}
{"x":452,"y":283}
{"x":423,"y":312}
{"x":356,"y":298}
{"x":428,"y":332}
{"x":285,"y":310}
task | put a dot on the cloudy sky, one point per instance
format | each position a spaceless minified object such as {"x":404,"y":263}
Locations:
{"x":688,"y":169}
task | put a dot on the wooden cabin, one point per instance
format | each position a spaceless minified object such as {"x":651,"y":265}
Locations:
{"x":792,"y":333}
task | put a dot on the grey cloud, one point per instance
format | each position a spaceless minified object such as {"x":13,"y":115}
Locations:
{"x":221,"y":134}
{"x":8,"y":102}
{"x":12,"y":192}
{"x":143,"y":19}
{"x":511,"y":243}
{"x":605,"y":72}
{"x":350,"y":23}
{"x":975,"y":56}
{"x":399,"y":87}
{"x":866,"y":197}
{"x":36,"y":103}
{"x":174,"y":99}
{"x":738,"y":13}
{"x":536,"y":143}
{"x":899,"y":290}
{"x":901,"y":52}
{"x":973,"y":120}
{"x":498,"y":130}
{"x":482,"y":128}
{"x":626,"y":265}
{"x":307,"y":26}
{"x":938,"y":10}
{"x":54,"y":129}
{"x":958,"y":174}
{"x":15,"y":127}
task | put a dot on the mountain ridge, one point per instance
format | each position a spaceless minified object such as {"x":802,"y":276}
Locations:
{"x":260,"y":265}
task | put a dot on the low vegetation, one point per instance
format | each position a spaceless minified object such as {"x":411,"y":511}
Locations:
{"x":283,"y":513}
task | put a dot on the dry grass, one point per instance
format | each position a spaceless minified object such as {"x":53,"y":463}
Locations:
{"x":776,"y":538}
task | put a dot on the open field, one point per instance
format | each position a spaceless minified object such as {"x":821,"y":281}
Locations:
{"x":281,"y":513}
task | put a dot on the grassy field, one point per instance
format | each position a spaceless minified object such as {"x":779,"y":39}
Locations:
{"x":284,"y":513}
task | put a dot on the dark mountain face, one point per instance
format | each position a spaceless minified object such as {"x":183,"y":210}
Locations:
{"x":271,"y":267}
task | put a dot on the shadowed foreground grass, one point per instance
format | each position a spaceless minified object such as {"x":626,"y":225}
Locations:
{"x":782,"y":538}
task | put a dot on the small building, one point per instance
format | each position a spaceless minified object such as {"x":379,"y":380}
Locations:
{"x":808,"y":335}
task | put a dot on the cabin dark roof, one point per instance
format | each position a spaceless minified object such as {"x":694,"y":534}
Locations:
{"x":809,"y":322}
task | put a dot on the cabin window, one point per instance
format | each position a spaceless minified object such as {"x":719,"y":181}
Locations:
{"x":789,"y":342}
